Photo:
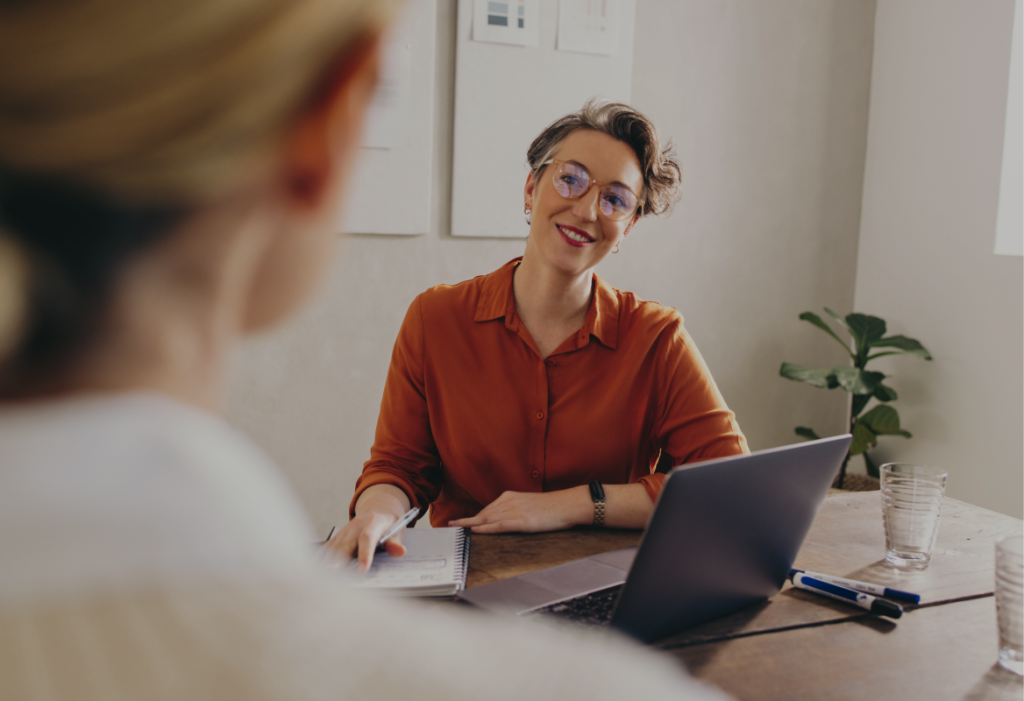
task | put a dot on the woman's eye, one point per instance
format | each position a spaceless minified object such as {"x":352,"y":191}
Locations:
{"x":615,"y":201}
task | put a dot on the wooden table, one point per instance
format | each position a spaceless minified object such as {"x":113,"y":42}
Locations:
{"x":800,"y":646}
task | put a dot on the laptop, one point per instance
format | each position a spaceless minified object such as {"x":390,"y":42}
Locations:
{"x":723,"y":535}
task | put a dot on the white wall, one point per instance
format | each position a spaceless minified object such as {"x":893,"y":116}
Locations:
{"x":931,"y":184}
{"x":767,"y":103}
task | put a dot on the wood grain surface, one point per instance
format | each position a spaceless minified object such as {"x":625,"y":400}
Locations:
{"x":494,"y":557}
{"x":846,"y":539}
{"x":932,"y":653}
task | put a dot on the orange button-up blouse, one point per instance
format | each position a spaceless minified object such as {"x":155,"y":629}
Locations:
{"x":470,"y":408}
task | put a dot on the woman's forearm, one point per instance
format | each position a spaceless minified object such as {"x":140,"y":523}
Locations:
{"x":626,"y":505}
{"x":383,"y":498}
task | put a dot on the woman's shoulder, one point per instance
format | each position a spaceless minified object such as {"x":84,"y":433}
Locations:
{"x":637,"y":314}
{"x":484,"y":293}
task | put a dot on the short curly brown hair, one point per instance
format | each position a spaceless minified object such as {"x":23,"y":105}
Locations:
{"x":658,"y":163}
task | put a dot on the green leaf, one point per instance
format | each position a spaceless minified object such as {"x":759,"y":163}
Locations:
{"x":816,"y":320}
{"x":841,"y":320}
{"x":872,"y":468}
{"x":885,"y":421}
{"x":885,"y":394}
{"x":865,"y":328}
{"x":813,"y":376}
{"x":807,"y":433}
{"x":857,"y":381}
{"x":863,"y":438}
{"x":859,"y":402}
{"x":881,"y":355}
{"x":906,"y":345}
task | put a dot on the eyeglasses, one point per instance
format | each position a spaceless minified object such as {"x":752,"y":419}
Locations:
{"x":572,"y":181}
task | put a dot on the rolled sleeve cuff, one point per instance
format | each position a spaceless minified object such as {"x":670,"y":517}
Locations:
{"x":369,"y":479}
{"x":653,"y":484}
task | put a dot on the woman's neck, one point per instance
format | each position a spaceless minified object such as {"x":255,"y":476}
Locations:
{"x":551,"y":304}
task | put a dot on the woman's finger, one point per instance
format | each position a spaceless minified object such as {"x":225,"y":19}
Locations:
{"x":509,"y":526}
{"x":394,"y":548}
{"x":368,"y":539}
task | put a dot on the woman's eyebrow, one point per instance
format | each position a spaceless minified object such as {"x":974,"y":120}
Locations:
{"x":613,"y":182}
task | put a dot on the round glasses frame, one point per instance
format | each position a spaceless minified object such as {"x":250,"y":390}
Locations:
{"x":606,"y":207}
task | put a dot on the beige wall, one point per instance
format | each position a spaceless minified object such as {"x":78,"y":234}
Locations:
{"x":938,"y":101}
{"x":767,"y":103}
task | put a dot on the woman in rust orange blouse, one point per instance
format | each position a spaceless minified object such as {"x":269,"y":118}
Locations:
{"x":510,"y":393}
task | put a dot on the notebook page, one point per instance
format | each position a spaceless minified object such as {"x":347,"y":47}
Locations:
{"x":431,"y":560}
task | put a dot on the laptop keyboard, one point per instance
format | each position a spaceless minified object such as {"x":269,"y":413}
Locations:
{"x":591,"y":609}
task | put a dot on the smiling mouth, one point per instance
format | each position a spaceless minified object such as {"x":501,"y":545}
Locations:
{"x":575,"y":236}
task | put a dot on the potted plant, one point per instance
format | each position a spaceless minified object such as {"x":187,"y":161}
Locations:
{"x":867,"y":338}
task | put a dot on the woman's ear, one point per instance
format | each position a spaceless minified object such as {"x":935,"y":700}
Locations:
{"x":629,"y":228}
{"x":324,"y":139}
{"x":528,"y":189}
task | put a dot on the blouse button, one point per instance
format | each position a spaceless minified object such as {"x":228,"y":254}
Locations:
{"x":540,"y":414}
{"x":552,"y":362}
{"x":535,"y":474}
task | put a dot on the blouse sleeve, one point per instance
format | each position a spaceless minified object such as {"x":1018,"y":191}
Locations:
{"x":404,"y":453}
{"x":694,"y":422}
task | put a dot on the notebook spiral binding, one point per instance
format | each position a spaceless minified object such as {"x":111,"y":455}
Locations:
{"x":462,"y":558}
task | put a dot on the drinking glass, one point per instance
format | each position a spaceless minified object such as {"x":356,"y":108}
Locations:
{"x":911,"y":499}
{"x":1010,"y":601}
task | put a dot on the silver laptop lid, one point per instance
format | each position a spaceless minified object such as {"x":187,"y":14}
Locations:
{"x":724,"y":534}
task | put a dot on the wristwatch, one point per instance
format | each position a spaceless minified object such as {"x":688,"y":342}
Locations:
{"x":597,"y":494}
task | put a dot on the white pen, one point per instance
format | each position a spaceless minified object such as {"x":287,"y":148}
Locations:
{"x":399,"y":525}
{"x":834,"y":591}
{"x":865,"y":587}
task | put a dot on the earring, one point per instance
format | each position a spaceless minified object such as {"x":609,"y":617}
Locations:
{"x":526,"y":211}
{"x":616,"y":249}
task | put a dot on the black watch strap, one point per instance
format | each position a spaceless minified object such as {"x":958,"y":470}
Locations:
{"x":597,"y":494}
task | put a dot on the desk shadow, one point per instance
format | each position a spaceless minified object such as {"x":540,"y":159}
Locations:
{"x":884,"y":572}
{"x":998,"y":684}
{"x":700,"y":645}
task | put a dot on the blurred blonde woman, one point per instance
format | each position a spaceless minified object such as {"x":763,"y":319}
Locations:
{"x":169,"y":173}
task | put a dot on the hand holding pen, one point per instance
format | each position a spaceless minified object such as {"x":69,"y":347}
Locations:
{"x":377,"y":527}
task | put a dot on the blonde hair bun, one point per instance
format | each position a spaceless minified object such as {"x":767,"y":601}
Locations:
{"x":167,"y":102}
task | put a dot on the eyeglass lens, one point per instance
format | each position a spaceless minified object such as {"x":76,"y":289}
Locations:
{"x":572,"y":181}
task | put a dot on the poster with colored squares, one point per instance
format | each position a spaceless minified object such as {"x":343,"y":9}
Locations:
{"x":506,"y":22}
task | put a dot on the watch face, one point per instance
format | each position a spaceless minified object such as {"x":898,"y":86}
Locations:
{"x":596,"y":490}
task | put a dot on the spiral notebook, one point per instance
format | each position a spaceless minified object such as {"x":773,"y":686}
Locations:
{"x":435,"y":564}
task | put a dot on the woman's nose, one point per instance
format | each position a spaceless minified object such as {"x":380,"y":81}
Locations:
{"x":586,"y":207}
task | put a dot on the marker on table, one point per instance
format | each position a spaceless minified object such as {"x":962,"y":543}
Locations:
{"x":865,"y":587}
{"x":834,"y":591}
{"x":399,"y":525}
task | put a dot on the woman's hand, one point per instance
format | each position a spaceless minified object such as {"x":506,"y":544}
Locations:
{"x":376,"y":511}
{"x":626,"y":506}
{"x":533,"y":512}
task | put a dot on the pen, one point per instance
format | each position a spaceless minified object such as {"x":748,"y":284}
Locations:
{"x":865,"y":587}
{"x":399,"y":525}
{"x":834,"y":591}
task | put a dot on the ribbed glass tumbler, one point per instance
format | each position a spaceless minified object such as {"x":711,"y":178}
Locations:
{"x":911,"y":500}
{"x":1010,"y":601}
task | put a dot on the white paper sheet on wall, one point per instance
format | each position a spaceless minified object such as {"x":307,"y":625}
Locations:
{"x":1010,"y":214}
{"x":504,"y":98}
{"x":506,"y":22}
{"x":589,"y":26}
{"x":400,"y":135}
{"x":387,"y":120}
